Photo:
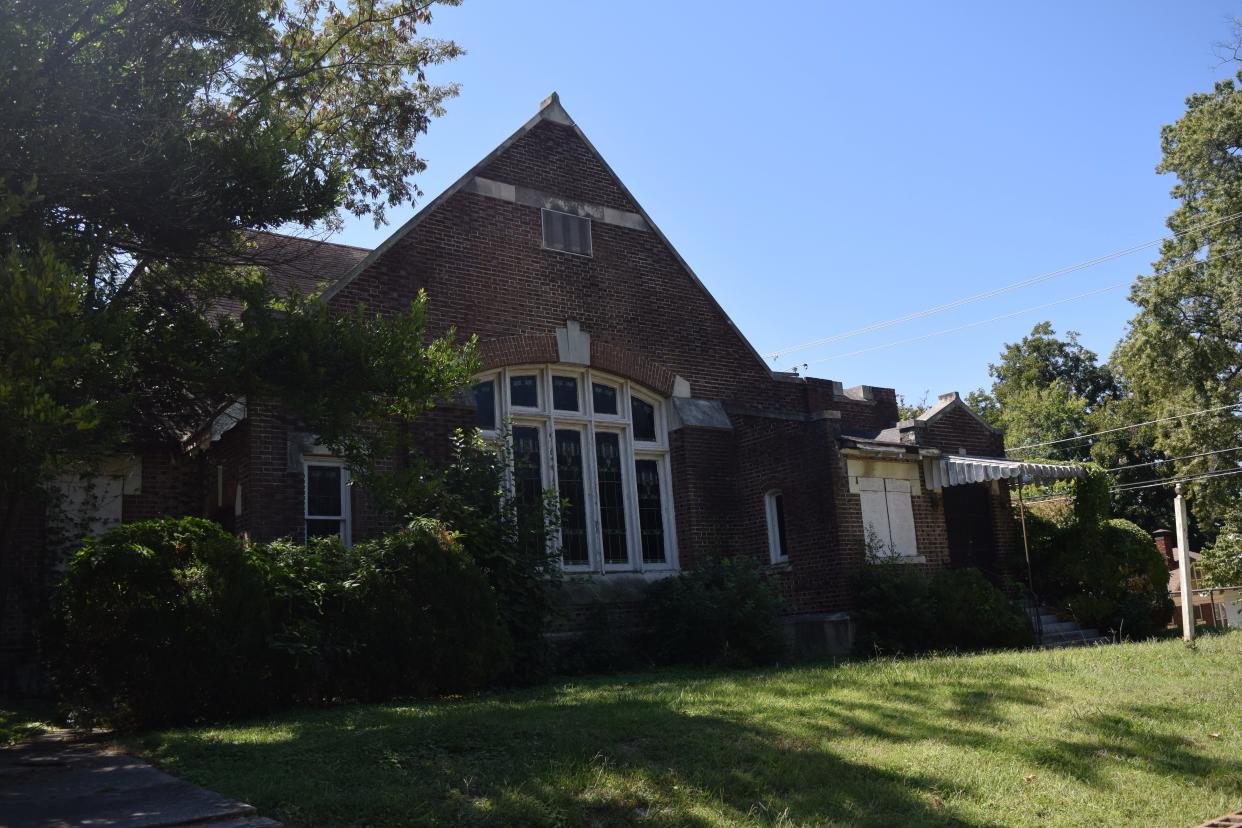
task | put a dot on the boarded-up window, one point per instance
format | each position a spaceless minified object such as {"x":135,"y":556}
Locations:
{"x":569,"y":234}
{"x":888,"y":516}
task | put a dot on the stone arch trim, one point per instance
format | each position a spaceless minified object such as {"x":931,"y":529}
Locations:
{"x":518,"y":350}
{"x":623,"y":362}
{"x":539,"y":349}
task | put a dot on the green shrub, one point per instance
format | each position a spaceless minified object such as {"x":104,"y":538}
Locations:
{"x":903,"y":609}
{"x":508,"y":543}
{"x":1105,"y":574}
{"x":415,"y":616}
{"x":723,"y":612}
{"x":162,"y":621}
{"x":175,"y":621}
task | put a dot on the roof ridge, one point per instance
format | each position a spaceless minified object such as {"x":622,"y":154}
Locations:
{"x":310,"y":240}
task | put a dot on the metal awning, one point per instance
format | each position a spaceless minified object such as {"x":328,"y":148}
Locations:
{"x":960,"y":469}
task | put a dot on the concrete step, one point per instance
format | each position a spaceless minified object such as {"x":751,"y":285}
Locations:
{"x":1059,"y":627}
{"x":1071,"y":636}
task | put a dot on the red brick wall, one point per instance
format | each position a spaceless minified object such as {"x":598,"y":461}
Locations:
{"x":957,"y":431}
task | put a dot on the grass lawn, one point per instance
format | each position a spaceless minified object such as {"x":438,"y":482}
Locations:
{"x":1136,"y":734}
{"x":22,"y":720}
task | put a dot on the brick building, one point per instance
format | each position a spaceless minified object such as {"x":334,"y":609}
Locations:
{"x":624,"y":386}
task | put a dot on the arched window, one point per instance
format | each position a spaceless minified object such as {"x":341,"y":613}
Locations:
{"x":601,"y":443}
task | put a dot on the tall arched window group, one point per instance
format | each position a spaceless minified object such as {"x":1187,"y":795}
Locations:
{"x":599,"y":442}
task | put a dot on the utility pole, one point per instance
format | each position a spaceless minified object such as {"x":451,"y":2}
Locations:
{"x":1183,"y":565}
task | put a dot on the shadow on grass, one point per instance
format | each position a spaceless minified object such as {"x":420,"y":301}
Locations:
{"x":1149,"y":736}
{"x":545,"y":758}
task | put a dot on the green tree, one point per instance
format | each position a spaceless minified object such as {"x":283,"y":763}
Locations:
{"x":1221,"y":563}
{"x":1047,"y":388}
{"x":1182,"y":351}
{"x":140,"y":141}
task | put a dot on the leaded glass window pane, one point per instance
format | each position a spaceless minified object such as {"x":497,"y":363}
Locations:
{"x":604,"y":397}
{"x":524,"y":390}
{"x":565,"y":393}
{"x":572,"y":491}
{"x":644,"y":420}
{"x":527,"y":467}
{"x":611,"y":497}
{"x":650,"y":513}
{"x":323,"y":490}
{"x":485,"y":404}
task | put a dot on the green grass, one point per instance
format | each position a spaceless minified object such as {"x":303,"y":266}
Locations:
{"x":1136,"y":734}
{"x":22,"y":720}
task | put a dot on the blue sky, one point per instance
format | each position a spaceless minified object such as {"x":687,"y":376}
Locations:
{"x":823,"y":166}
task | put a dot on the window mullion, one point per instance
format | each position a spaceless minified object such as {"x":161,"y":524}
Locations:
{"x":629,"y":472}
{"x":595,"y":540}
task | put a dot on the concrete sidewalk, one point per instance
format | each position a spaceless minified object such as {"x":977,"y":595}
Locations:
{"x":61,"y":780}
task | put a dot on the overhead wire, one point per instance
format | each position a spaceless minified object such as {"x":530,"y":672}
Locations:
{"x":967,"y":326}
{"x":1164,"y":460}
{"x":1147,"y":484}
{"x":979,"y":297}
{"x":1127,"y":427}
{"x":1221,"y":255}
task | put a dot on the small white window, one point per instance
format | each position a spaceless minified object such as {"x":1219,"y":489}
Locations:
{"x":566,"y":233}
{"x":327,"y":500}
{"x":888,"y":517}
{"x":778,"y":544}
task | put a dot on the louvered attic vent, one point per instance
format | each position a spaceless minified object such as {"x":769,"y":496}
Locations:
{"x":567,"y":233}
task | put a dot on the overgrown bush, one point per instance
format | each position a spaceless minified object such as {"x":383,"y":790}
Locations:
{"x":1115,"y":579}
{"x":176,"y":621}
{"x":1103,"y":573}
{"x":414,"y":616}
{"x":723,"y":612}
{"x":903,"y":609}
{"x":162,"y":621}
{"x":504,"y":536}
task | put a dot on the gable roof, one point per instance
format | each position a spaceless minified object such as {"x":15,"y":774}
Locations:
{"x":551,"y":111}
{"x":296,"y":264}
{"x":949,"y":402}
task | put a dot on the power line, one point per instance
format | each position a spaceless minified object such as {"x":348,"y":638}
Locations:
{"x":966,"y":326}
{"x":1184,"y":479}
{"x":1127,"y":427}
{"x":1149,"y":485}
{"x":1223,"y":254}
{"x":1172,"y":459}
{"x":979,"y":297}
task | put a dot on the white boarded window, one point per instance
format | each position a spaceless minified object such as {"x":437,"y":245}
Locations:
{"x":566,"y":233}
{"x":888,"y":517}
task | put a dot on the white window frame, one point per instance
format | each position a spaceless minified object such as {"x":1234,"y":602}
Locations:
{"x":346,"y":516}
{"x":548,"y":419}
{"x":776,"y":555}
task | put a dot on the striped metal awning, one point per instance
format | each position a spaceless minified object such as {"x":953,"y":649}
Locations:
{"x":960,"y":469}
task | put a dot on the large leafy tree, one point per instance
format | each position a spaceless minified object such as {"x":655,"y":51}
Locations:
{"x":1047,"y":388}
{"x":141,"y":141}
{"x":1182,"y":351}
{"x":1043,"y":388}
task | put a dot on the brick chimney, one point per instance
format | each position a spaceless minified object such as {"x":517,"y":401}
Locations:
{"x":1164,"y":545}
